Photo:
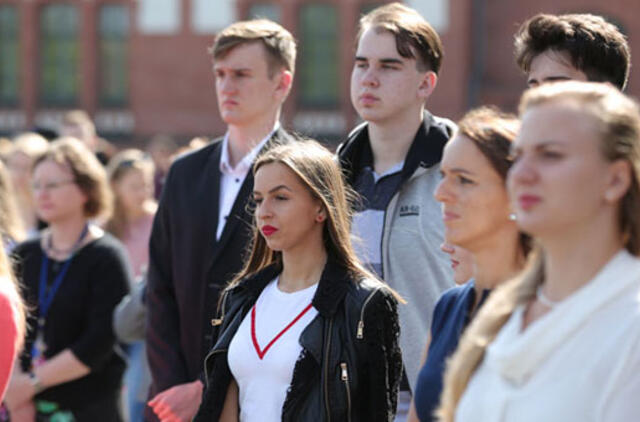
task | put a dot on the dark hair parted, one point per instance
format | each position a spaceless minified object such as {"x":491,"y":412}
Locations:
{"x":595,"y":47}
{"x":279,"y":44}
{"x":493,"y":132}
{"x":88,"y":174}
{"x":415,"y":37}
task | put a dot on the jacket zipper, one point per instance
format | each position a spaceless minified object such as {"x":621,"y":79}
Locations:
{"x":360,"y":331}
{"x":345,"y":379}
{"x":326,"y":371}
{"x":215,"y":322}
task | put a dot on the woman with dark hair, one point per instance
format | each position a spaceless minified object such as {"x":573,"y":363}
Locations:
{"x":560,"y":342}
{"x":304,"y":332}
{"x":478,"y":217}
{"x":74,"y":275}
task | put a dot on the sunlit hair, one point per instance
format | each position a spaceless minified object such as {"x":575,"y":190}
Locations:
{"x":9,"y":285}
{"x":89,"y":175}
{"x":493,"y":132}
{"x":119,"y":166}
{"x":415,"y":37}
{"x":320,"y":173}
{"x":29,"y":143}
{"x":279,"y":44}
{"x":11,"y":227}
{"x":618,"y":120}
{"x":595,"y":47}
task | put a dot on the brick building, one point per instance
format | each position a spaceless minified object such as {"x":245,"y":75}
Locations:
{"x":140,"y":67}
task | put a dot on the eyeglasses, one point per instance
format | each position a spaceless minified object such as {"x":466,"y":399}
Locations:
{"x":49,"y":186}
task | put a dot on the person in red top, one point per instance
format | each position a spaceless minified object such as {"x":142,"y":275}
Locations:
{"x":11,"y":322}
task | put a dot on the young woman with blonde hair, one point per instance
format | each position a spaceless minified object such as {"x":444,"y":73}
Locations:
{"x":304,"y":332}
{"x":560,"y":342}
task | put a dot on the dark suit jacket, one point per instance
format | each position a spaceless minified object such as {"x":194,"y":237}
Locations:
{"x":187,"y":266}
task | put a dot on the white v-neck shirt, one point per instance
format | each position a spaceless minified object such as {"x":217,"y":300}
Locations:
{"x":263,"y":383}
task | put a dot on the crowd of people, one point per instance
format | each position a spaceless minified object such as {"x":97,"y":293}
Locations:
{"x":480,"y":270}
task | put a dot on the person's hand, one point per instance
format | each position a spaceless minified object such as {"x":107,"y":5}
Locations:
{"x":179,"y":403}
{"x":20,"y":391}
{"x":25,"y":413}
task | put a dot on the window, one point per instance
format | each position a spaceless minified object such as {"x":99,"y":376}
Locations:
{"x":9,"y":52}
{"x":265,"y":10}
{"x":319,"y":61}
{"x":59,"y":54}
{"x":113,"y":55}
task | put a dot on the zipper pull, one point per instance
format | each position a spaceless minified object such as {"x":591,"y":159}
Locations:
{"x":217,"y":321}
{"x":344,"y":374}
{"x":360,"y":332}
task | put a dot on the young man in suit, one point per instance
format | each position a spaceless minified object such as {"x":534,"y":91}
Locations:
{"x":202,"y":226}
{"x":392,"y":161}
{"x":574,"y":46}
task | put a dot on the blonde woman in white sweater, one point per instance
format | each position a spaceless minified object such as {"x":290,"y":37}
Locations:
{"x":562,"y":341}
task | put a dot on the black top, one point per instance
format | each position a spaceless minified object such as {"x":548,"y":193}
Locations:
{"x":79,"y":317}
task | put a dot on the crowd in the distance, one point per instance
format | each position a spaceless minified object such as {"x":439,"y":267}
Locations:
{"x":278,"y":281}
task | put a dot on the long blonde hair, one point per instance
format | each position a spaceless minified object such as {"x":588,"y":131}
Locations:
{"x":11,"y":227}
{"x":618,"y":118}
{"x":319,"y":171}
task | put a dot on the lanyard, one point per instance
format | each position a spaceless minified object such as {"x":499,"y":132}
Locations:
{"x":45,"y":296}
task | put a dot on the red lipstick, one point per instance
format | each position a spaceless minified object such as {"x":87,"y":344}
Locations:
{"x":268,"y":230}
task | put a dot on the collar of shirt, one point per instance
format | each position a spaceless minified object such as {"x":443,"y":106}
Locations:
{"x":243,"y":165}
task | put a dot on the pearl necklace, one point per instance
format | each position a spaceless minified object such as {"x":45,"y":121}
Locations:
{"x":544,"y":299}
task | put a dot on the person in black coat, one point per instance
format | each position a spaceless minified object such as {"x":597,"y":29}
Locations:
{"x":304,"y":332}
{"x":201,"y":227}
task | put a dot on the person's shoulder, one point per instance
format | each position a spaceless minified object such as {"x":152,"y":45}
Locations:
{"x":444,"y":125}
{"x":106,"y":245}
{"x":26,"y":247}
{"x":194,"y":160}
{"x":455,"y":294}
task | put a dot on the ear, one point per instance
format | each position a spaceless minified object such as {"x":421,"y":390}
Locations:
{"x":321,"y":214}
{"x":284,"y":83}
{"x":618,"y":181}
{"x":427,"y":84}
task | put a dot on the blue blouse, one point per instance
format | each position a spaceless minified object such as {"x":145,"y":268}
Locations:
{"x":450,"y":317}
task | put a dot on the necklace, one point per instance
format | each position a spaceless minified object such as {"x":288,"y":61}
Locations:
{"x":544,"y":299}
{"x":66,"y":251}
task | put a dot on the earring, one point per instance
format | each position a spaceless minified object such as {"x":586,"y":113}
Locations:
{"x":513,"y":216}
{"x":320,"y":218}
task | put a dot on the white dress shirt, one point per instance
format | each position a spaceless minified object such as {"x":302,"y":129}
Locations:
{"x":233,"y":177}
{"x":578,"y":362}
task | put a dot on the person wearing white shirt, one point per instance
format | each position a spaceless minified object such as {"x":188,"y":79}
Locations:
{"x":561,"y":341}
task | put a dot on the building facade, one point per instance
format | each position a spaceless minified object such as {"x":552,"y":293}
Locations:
{"x":141,"y":67}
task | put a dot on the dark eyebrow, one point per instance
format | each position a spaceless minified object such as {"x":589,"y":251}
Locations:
{"x":361,"y":59}
{"x":391,"y":61}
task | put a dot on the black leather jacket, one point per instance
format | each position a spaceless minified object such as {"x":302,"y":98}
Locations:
{"x":350,"y":365}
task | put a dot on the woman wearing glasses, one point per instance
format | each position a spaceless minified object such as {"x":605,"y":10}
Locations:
{"x":74,"y":276}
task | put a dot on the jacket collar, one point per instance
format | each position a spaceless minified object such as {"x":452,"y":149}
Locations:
{"x":332,"y":287}
{"x":425,"y":151}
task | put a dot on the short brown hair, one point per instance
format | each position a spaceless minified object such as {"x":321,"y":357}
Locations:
{"x":415,"y":37}
{"x":278,"y":43}
{"x":596,"y":47}
{"x":89,"y":175}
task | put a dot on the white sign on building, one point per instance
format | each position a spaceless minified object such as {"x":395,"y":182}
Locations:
{"x":210,"y":16}
{"x":159,"y":17}
{"x":436,"y":12}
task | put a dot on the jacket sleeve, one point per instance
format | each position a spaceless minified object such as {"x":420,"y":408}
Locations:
{"x":166,"y":360}
{"x":130,"y":314}
{"x":384,"y":359}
